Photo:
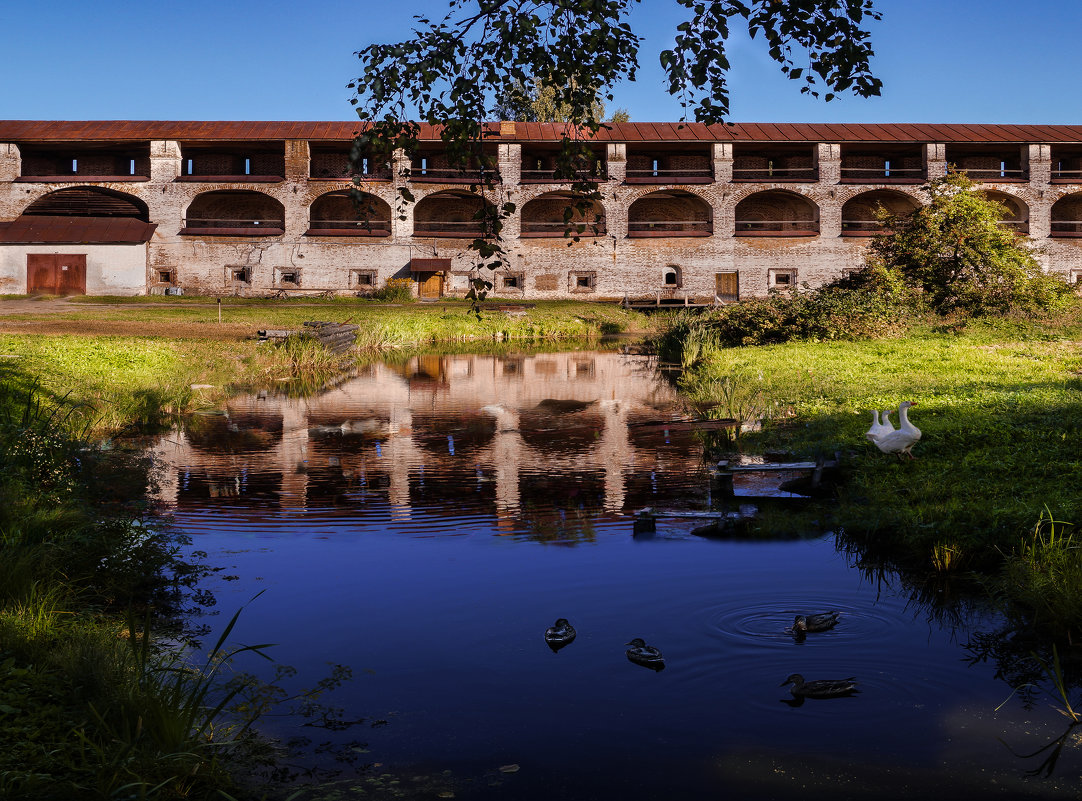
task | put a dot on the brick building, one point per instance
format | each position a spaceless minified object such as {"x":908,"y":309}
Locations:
{"x":697,"y":211}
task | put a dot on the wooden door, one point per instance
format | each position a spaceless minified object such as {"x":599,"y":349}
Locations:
{"x":56,"y":273}
{"x":430,"y":285}
{"x":727,"y":286}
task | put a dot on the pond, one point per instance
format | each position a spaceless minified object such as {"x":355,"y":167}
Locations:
{"x":426,"y":520}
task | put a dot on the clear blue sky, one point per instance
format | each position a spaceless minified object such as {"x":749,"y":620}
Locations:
{"x":961,"y":61}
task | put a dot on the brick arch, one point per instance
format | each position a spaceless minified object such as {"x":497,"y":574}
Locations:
{"x":234,"y":212}
{"x":1017,"y":216}
{"x":777,"y":212}
{"x":88,"y":201}
{"x":669,"y":212}
{"x":859,"y":211}
{"x":543,"y":216}
{"x":741,"y":192}
{"x":449,"y":213}
{"x":1067,"y":216}
{"x":341,"y":213}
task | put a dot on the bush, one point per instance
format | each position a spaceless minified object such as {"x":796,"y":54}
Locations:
{"x":396,"y":290}
{"x":865,"y":305}
{"x":955,"y":252}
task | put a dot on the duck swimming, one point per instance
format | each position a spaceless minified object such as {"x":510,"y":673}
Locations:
{"x":646,"y":655}
{"x":824,"y":621}
{"x":820,"y":688}
{"x":559,"y":634}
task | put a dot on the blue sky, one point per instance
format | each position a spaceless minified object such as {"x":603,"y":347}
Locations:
{"x":962,"y":61}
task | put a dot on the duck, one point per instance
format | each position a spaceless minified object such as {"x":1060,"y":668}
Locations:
{"x":901,"y":440}
{"x":880,"y":425}
{"x":559,"y":634}
{"x":820,"y":688}
{"x":822,"y":621}
{"x":646,"y":655}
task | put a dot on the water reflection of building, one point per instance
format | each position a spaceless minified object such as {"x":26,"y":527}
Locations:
{"x":466,"y":433}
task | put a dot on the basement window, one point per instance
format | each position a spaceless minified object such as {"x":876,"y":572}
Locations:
{"x":362,"y":279}
{"x":289,"y":277}
{"x":583,"y":282}
{"x":512,"y":281}
{"x":671,"y":276}
{"x":782,"y":279}
{"x":240,"y":275}
{"x":165,"y":276}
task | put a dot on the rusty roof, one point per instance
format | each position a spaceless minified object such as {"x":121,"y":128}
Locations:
{"x":34,"y":230}
{"x":44,"y":131}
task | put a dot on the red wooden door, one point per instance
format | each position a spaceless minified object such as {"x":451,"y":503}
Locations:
{"x":56,"y":273}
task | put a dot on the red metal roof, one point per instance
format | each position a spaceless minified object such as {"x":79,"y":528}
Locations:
{"x":34,"y":230}
{"x":204,"y":131}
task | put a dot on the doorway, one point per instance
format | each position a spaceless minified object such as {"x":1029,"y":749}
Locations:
{"x":727,"y":287}
{"x":56,"y":273}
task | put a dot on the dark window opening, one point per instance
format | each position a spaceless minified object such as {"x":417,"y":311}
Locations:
{"x":511,"y":282}
{"x":242,"y":275}
{"x":670,"y":278}
{"x":783,"y":279}
{"x":290,"y":278}
{"x":165,"y":276}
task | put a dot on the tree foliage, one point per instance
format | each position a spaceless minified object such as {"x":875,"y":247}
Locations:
{"x":958,"y":255}
{"x":454,"y":71}
{"x":536,"y":102}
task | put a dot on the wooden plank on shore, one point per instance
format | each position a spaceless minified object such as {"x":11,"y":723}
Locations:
{"x":773,"y":467}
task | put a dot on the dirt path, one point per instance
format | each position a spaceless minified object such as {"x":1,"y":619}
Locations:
{"x":42,"y":310}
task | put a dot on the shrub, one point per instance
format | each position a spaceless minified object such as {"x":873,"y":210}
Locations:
{"x":957,"y":254}
{"x":396,"y":290}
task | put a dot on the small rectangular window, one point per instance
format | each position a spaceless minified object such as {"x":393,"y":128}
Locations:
{"x":364,"y":166}
{"x":290,"y":278}
{"x":424,"y":166}
{"x":247,"y":166}
{"x":132,"y":167}
{"x":190,"y":168}
{"x":511,"y":282}
{"x":241,"y":275}
{"x":782,"y":278}
{"x":886,"y":168}
{"x":655,"y":167}
{"x":362,"y":280}
{"x":583,"y":282}
{"x":74,"y":166}
{"x":165,"y":276}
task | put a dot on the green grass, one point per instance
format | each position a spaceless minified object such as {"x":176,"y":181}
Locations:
{"x":999,"y":405}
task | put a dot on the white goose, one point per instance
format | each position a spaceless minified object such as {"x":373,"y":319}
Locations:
{"x":879,"y":426}
{"x":901,"y":440}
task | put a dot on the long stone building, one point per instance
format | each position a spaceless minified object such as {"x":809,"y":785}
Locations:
{"x":688,"y":210}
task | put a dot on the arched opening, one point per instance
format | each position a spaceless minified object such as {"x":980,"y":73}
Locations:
{"x":776,"y":213}
{"x":1017,"y":216}
{"x":859,"y":214}
{"x":671,"y":277}
{"x":231,"y":212}
{"x":452,"y":213}
{"x":339,"y":214}
{"x":89,"y":201}
{"x":669,"y":213}
{"x":1067,"y":217}
{"x":544,"y":217}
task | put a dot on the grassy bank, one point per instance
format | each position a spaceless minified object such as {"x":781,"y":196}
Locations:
{"x":1000,"y":407}
{"x":134,"y":365}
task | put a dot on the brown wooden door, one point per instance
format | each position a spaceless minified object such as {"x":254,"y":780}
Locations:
{"x":430,"y":285}
{"x":56,"y":273}
{"x":727,"y":286}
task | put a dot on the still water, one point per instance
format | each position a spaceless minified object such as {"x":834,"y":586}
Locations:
{"x":425,"y":521}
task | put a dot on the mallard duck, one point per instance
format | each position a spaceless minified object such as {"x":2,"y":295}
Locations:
{"x":819,"y":622}
{"x":646,"y":655}
{"x":559,"y":634}
{"x":901,"y":440}
{"x":820,"y":688}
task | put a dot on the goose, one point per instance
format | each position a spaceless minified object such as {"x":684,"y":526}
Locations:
{"x":820,"y":688}
{"x":559,"y":634}
{"x":879,"y":426}
{"x":901,"y":440}
{"x":646,"y":655}
{"x":822,"y":621}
